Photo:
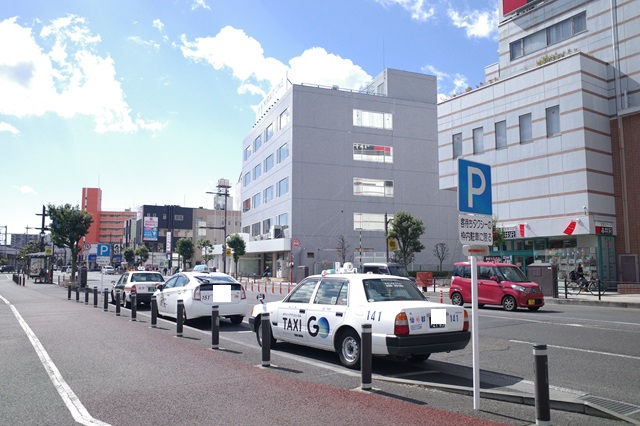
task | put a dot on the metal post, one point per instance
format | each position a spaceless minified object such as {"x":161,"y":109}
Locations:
{"x":95,"y":297}
{"x":366,"y":360}
{"x":265,"y":330}
{"x":69,"y":292}
{"x":215,"y":327}
{"x":541,"y":374}
{"x":154,"y":311}
{"x":117,"y":303}
{"x":180,"y":318}
{"x":134,"y":307}
{"x":77,"y":293}
{"x":86,"y":295}
{"x":106,"y":300}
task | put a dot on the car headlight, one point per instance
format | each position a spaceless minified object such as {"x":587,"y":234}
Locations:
{"x":517,"y":287}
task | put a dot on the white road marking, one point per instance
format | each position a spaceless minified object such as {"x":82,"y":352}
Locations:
{"x":73,"y":403}
{"x":580,"y":350}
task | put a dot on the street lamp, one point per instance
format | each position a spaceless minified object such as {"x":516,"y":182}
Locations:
{"x":386,"y":236}
{"x":223,"y":190}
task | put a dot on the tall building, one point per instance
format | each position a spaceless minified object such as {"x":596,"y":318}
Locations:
{"x":323,"y":166}
{"x":107,"y":226}
{"x":557,"y":121}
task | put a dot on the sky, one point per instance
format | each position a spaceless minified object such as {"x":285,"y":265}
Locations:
{"x":150,"y":100}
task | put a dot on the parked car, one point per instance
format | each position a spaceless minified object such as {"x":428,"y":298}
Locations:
{"x":386,"y":268}
{"x":7,"y":268}
{"x":108,"y":270}
{"x":200,"y":268}
{"x":142,"y":283}
{"x":199,"y":291}
{"x":327,"y":312}
{"x":498,"y":284}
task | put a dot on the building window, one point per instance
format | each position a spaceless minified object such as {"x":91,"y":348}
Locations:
{"x":178,"y":218}
{"x":246,"y":180}
{"x":478,"y":140}
{"x":283,"y":187}
{"x":247,"y":153}
{"x":268,"y":163}
{"x":369,"y":221}
{"x":257,"y":200}
{"x":525,"y":128}
{"x":257,"y":143}
{"x":283,"y":219}
{"x":268,"y":134}
{"x":267,"y":194}
{"x":372,"y":153}
{"x":257,"y":171}
{"x":372,"y":187}
{"x":375,"y":120}
{"x":283,"y":153}
{"x":457,"y":145}
{"x":255,"y":229}
{"x":246,"y":205}
{"x":501,"y":134}
{"x":553,"y":121}
{"x":551,"y":35}
{"x":266,"y":225}
{"x":284,"y":119}
{"x":246,"y":229}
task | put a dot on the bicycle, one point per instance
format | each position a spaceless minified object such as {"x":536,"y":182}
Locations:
{"x":582,"y":284}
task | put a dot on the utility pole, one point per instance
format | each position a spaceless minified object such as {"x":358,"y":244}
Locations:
{"x":42,"y":228}
{"x":223,"y":190}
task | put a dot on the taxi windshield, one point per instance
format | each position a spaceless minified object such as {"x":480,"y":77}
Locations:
{"x":390,"y":289}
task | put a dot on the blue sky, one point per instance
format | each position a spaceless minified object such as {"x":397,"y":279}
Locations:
{"x":150,"y":99}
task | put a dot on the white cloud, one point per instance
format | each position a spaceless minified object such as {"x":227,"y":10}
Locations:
{"x":199,"y":3}
{"x":241,"y":54}
{"x":159,"y":25}
{"x":418,"y":9}
{"x":25,"y":190}
{"x":146,"y":43}
{"x":6,"y":127}
{"x":68,"y":80}
{"x":477,"y":23}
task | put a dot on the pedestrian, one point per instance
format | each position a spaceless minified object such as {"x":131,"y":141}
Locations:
{"x":267,"y":272}
{"x":165,"y":271}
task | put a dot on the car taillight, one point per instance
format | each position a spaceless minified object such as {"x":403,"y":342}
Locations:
{"x":196,"y":293}
{"x":243,"y":295}
{"x":133,"y":289}
{"x":465,"y":326}
{"x":401,"y":326}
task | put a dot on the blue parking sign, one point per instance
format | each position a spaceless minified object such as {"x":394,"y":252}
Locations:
{"x":474,"y":188}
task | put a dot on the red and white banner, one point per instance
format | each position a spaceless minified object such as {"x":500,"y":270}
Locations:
{"x":570,"y":228}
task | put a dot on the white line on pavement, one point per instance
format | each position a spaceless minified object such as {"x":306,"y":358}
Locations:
{"x":581,"y":350}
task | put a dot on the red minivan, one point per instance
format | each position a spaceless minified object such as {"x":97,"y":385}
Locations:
{"x":498,"y":284}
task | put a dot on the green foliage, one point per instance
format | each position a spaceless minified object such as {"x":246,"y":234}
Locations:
{"x":206,"y":246}
{"x":185,"y":249}
{"x":26,"y":250}
{"x":129,"y":255}
{"x":143,"y":253}
{"x":239,"y":247}
{"x":407,"y":231}
{"x":68,"y":225}
{"x":498,"y":234}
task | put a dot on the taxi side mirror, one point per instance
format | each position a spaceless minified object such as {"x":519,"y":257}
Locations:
{"x":160,"y":287}
{"x":260,"y":297}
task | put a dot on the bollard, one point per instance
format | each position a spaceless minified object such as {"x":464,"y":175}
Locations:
{"x":215,"y":327}
{"x":95,"y":297}
{"x":252,"y":285}
{"x":366,"y":358}
{"x":86,"y":295}
{"x":273,"y":289}
{"x":280,"y":287}
{"x":117,"y":303}
{"x":265,"y":330}
{"x":69,"y":292}
{"x":179,"y":318}
{"x":154,"y":311}
{"x":440,"y":296}
{"x":77,"y":293}
{"x":134,"y":307}
{"x":106,"y":300}
{"x":541,"y":374}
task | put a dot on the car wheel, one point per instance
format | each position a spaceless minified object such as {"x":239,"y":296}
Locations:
{"x":349,"y":349}
{"x":259,"y":333}
{"x":456,"y":299}
{"x":236,"y":319}
{"x":509,"y":303}
{"x":533,"y":308}
{"x":418,"y":357}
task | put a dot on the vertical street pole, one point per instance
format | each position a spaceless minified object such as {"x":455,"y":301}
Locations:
{"x":474,"y":333}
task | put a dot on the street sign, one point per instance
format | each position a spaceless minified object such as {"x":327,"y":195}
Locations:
{"x":474,"y":229}
{"x":392,"y":244}
{"x":103,"y":254}
{"x":475,"y":250}
{"x":474,"y":187}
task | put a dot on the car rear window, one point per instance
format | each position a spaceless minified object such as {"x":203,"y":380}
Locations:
{"x":384,"y":290}
{"x":147,"y":277}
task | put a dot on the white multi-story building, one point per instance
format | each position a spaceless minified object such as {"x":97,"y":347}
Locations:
{"x":322,"y":167}
{"x":557,"y":121}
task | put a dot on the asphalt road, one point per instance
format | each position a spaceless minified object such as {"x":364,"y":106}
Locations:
{"x":124,"y":372}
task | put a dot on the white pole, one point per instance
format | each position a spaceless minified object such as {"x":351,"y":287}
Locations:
{"x":474,"y":333}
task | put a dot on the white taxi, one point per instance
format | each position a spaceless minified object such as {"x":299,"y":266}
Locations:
{"x":142,"y":283}
{"x":328,"y":311}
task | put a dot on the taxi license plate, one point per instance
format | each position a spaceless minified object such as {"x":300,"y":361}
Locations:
{"x":435,"y":325}
{"x":531,"y":302}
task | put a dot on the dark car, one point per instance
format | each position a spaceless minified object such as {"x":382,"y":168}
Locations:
{"x":7,"y":268}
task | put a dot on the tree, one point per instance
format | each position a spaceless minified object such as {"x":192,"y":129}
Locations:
{"x":129,"y":255}
{"x":344,"y":250}
{"x":68,"y":225}
{"x":25,"y":251}
{"x":407,"y":231}
{"x":441,"y":251}
{"x":185,"y":250}
{"x":498,"y":234}
{"x":206,"y":247}
{"x":239,"y":247}
{"x":143,"y":253}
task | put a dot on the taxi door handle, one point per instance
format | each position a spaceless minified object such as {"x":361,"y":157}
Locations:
{"x":338,"y":314}
{"x":302,"y":311}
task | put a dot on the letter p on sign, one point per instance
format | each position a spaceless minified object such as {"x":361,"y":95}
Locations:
{"x":474,"y":188}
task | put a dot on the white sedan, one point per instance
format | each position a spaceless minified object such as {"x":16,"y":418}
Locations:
{"x":199,"y":291}
{"x":328,"y":311}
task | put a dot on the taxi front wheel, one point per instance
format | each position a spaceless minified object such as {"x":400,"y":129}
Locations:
{"x":349,"y":349}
